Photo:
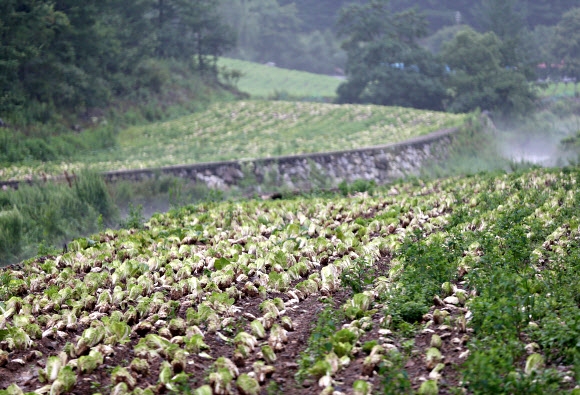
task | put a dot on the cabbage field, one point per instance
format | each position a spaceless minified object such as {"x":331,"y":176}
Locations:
{"x":250,"y":129}
{"x":461,"y":285}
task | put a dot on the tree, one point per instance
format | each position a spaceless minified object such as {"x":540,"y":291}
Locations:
{"x":26,"y":28}
{"x":507,"y":19}
{"x":57,"y":54}
{"x":318,"y":15}
{"x":385,"y":64}
{"x":62,"y":54}
{"x":479,"y":80}
{"x":567,"y":43}
{"x":547,"y":13}
{"x":537,"y":45}
{"x":188,"y":28}
{"x":503,"y":17}
{"x":267,"y":31}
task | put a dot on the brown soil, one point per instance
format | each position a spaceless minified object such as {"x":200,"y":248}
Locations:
{"x":22,"y":367}
{"x":303,"y":317}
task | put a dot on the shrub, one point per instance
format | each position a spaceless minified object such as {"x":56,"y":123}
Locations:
{"x":91,"y":189}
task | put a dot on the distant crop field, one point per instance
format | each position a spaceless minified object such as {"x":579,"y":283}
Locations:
{"x":263,"y":81}
{"x":254,"y":129}
{"x":558,"y":89}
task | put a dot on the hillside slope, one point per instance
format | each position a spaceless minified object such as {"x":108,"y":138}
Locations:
{"x":252,"y":129}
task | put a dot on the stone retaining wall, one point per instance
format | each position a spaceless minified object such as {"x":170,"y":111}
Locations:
{"x":379,"y":163}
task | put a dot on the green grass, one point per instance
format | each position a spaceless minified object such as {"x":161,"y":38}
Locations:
{"x":253,"y":129}
{"x":262,"y":81}
{"x":559,"y":89}
{"x":34,"y":218}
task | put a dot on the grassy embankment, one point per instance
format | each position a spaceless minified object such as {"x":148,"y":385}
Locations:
{"x":250,"y":129}
{"x":266,"y":82}
{"x":34,"y":219}
{"x":39,"y":133}
{"x":461,"y":284}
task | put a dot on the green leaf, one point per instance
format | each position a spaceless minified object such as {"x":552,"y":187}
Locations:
{"x":221,"y":263}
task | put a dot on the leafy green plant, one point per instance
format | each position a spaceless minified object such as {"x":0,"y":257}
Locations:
{"x":359,"y":185}
{"x":358,"y":276}
{"x":412,"y":312}
{"x":134,"y":218}
{"x":320,"y":341}
{"x":394,"y":378}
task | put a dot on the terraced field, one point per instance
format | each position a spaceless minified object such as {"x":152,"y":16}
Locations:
{"x":463,"y":285}
{"x":262,"y":81}
{"x":252,"y":129}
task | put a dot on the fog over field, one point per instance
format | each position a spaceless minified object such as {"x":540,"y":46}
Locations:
{"x":540,"y":142}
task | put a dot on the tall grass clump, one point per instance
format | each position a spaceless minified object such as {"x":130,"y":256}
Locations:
{"x":51,"y":214}
{"x":11,"y":224}
{"x":41,"y":144}
{"x":91,"y":189}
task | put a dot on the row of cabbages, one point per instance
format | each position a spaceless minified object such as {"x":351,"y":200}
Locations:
{"x":159,"y":293}
{"x":453,"y":305}
{"x":170,"y":285}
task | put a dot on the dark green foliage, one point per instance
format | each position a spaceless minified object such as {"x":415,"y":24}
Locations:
{"x":567,"y":42}
{"x":394,"y":378}
{"x":503,"y":17}
{"x":530,"y":13}
{"x":91,"y":188}
{"x":514,"y":305}
{"x":368,"y":346}
{"x":322,"y":13}
{"x":15,"y":147}
{"x":64,"y":57}
{"x":135,"y":217}
{"x":385,"y":64}
{"x":510,"y":295}
{"x":320,"y":340}
{"x":281,"y":32}
{"x":319,"y":14}
{"x":482,"y":78}
{"x":426,"y":267}
{"x":186,"y":29}
{"x":359,"y":185}
{"x":357,"y":277}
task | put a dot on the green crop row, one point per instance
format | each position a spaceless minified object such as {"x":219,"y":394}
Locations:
{"x":460,"y":285}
